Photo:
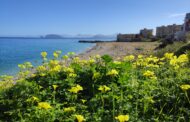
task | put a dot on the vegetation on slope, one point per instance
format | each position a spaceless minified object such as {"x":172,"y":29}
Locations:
{"x":99,"y":90}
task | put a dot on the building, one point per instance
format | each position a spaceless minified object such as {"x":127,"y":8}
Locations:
{"x":128,"y":37}
{"x":186,"y":26}
{"x":165,"y":31}
{"x":146,"y":33}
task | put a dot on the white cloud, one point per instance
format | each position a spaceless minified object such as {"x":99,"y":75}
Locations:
{"x":176,"y":15}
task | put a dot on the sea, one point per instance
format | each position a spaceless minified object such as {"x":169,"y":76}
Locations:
{"x":17,"y":51}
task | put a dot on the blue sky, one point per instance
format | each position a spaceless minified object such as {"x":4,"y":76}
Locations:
{"x":39,"y":17}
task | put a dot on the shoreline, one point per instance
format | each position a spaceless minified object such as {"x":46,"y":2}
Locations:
{"x":119,"y":49}
{"x":116,"y":49}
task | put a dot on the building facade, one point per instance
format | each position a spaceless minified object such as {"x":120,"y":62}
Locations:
{"x":165,"y":31}
{"x":186,"y":27}
{"x":127,"y":37}
{"x":146,"y":33}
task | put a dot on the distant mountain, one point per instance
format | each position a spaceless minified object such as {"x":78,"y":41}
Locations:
{"x":101,"y":36}
{"x":97,"y":36}
{"x":53,"y":36}
{"x":56,"y":36}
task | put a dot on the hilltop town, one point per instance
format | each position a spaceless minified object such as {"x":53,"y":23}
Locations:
{"x":174,"y":31}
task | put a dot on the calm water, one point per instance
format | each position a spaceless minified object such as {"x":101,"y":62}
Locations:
{"x":17,"y":51}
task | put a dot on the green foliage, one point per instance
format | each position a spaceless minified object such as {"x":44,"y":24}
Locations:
{"x":100,"y":90}
{"x":183,"y":49}
{"x":169,"y":48}
{"x":107,"y":58}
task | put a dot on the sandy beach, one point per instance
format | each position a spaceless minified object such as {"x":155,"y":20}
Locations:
{"x":120,"y":49}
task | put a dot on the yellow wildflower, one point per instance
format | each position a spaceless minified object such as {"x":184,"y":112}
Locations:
{"x":122,"y":118}
{"x":65,"y":57}
{"x":33,"y":75}
{"x":104,"y":88}
{"x":42,"y":74}
{"x":83,"y":101}
{"x":76,"y":59}
{"x":71,"y":53}
{"x":91,"y":61}
{"x":148,"y":73}
{"x":98,"y":56}
{"x":76,"y":89}
{"x":183,"y":58}
{"x":56,"y":69}
{"x":185,"y":87}
{"x":96,"y":75}
{"x":69,"y":109}
{"x":55,"y":87}
{"x":79,"y":118}
{"x":140,"y":56}
{"x":129,"y":58}
{"x":168,"y":55}
{"x":28,"y":64}
{"x":53,"y":63}
{"x":55,"y":55}
{"x":117,"y":62}
{"x":72,"y":75}
{"x":43,"y":54}
{"x":173,"y":61}
{"x":21,"y":66}
{"x":44,"y":105}
{"x":35,"y":98}
{"x":32,"y":99}
{"x":41,"y":68}
{"x":113,"y":72}
{"x":68,"y":70}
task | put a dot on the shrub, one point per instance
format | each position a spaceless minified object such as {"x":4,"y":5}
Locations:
{"x":101,"y":90}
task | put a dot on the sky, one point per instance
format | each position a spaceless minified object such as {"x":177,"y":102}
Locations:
{"x":40,"y":17}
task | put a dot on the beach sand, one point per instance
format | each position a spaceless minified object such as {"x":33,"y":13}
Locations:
{"x":120,"y":49}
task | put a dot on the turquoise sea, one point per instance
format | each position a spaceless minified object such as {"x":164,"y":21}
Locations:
{"x":18,"y":51}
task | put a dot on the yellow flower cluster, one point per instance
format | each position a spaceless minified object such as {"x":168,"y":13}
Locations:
{"x":91,"y":61}
{"x":69,"y":109}
{"x":72,"y":75}
{"x":65,"y":57}
{"x":185,"y":87}
{"x":76,"y":89}
{"x":56,"y":69}
{"x":55,"y":87}
{"x":122,"y":118}
{"x":41,"y":68}
{"x":152,"y":62}
{"x":104,"y":88}
{"x":44,"y":54}
{"x":79,"y":118}
{"x":129,"y":58}
{"x":113,"y":72}
{"x":168,"y":55}
{"x":68,"y":70}
{"x":44,"y":105}
{"x":53,"y":63}
{"x":149,"y":74}
{"x":97,"y":56}
{"x":176,"y":62}
{"x":76,"y":59}
{"x":56,"y":54}
{"x":96,"y":75}
{"x":117,"y":62}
